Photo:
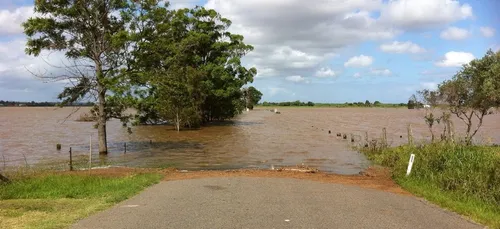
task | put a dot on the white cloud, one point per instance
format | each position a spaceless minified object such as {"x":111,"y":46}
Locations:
{"x":294,"y":58}
{"x":402,"y":47}
{"x":11,"y":20}
{"x":357,"y":75}
{"x":359,"y":61}
{"x":495,"y":48}
{"x":455,"y":59}
{"x":487,"y":31}
{"x":179,"y":4}
{"x":326,"y":72}
{"x":454,"y":33}
{"x":380,"y":72}
{"x":319,"y":32}
{"x":272,"y":91}
{"x":418,"y":14}
{"x":437,"y":73}
{"x":429,"y":85}
{"x":296,"y":79}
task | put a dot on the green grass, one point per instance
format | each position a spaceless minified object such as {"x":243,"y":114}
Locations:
{"x":464,"y":179}
{"x":58,"y":200}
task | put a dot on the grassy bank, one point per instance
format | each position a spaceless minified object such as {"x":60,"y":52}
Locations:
{"x":58,"y":200}
{"x":464,"y":179}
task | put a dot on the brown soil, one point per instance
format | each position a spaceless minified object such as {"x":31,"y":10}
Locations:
{"x":373,"y":178}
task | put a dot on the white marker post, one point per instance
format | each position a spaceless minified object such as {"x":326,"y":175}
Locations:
{"x":410,"y":164}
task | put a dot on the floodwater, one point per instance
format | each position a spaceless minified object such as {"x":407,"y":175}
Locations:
{"x":255,"y":139}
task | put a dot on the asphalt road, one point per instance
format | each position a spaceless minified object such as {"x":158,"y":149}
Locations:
{"x":244,"y":202}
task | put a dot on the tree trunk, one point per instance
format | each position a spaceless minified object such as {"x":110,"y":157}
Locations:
{"x":432,"y":135}
{"x":101,"y":120}
{"x":177,"y":121}
{"x":450,"y":128}
{"x":468,"y":138}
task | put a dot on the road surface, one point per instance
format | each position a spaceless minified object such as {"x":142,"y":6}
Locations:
{"x":246,"y":202}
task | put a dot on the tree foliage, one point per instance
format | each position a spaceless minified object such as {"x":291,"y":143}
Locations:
{"x":93,"y":36}
{"x":471,"y":93}
{"x":189,"y":66}
{"x":252,"y":97}
{"x":178,"y":66}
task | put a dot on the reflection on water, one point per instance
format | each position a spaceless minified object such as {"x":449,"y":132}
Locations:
{"x":255,"y":139}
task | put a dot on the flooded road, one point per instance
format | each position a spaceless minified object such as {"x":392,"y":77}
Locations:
{"x":258,"y":138}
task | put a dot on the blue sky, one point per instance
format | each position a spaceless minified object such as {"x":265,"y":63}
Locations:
{"x":323,"y":51}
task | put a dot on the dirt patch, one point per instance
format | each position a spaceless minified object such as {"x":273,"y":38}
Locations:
{"x":373,"y":177}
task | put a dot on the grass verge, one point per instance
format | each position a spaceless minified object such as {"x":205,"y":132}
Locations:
{"x":464,"y":179}
{"x":58,"y":200}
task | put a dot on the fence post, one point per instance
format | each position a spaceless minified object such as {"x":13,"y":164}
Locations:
{"x":124,"y":147}
{"x":70,"y":159}
{"x":410,"y":135}
{"x":384,"y":137}
{"x":90,"y":154}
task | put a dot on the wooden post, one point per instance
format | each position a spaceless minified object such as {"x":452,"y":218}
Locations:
{"x":70,"y":159}
{"x":90,"y":154}
{"x":366,"y":138}
{"x":410,"y":135}
{"x":384,"y":137}
{"x":124,"y":147}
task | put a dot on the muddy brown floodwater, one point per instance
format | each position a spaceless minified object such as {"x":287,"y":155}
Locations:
{"x":256,"y":139}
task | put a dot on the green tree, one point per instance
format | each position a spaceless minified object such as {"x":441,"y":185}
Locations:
{"x":473,"y":91}
{"x":367,"y":103}
{"x":377,"y":103}
{"x":412,"y":102}
{"x":189,"y":65}
{"x":94,"y":38}
{"x":252,"y":97}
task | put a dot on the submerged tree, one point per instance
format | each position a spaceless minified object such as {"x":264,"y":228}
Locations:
{"x":93,"y":36}
{"x":412,"y":102}
{"x":473,"y":91}
{"x":190,"y":67}
{"x":432,"y":99}
{"x":252,"y":97}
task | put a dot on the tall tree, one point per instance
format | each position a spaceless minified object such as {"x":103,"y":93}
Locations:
{"x":252,"y":96}
{"x":473,"y":91}
{"x":190,"y":63}
{"x":93,"y":35}
{"x":412,"y":102}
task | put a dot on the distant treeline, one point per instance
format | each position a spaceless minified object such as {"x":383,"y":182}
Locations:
{"x":39,"y":104}
{"x":289,"y":104}
{"x":355,"y":104}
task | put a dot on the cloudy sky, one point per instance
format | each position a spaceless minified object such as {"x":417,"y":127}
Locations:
{"x":315,"y":50}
